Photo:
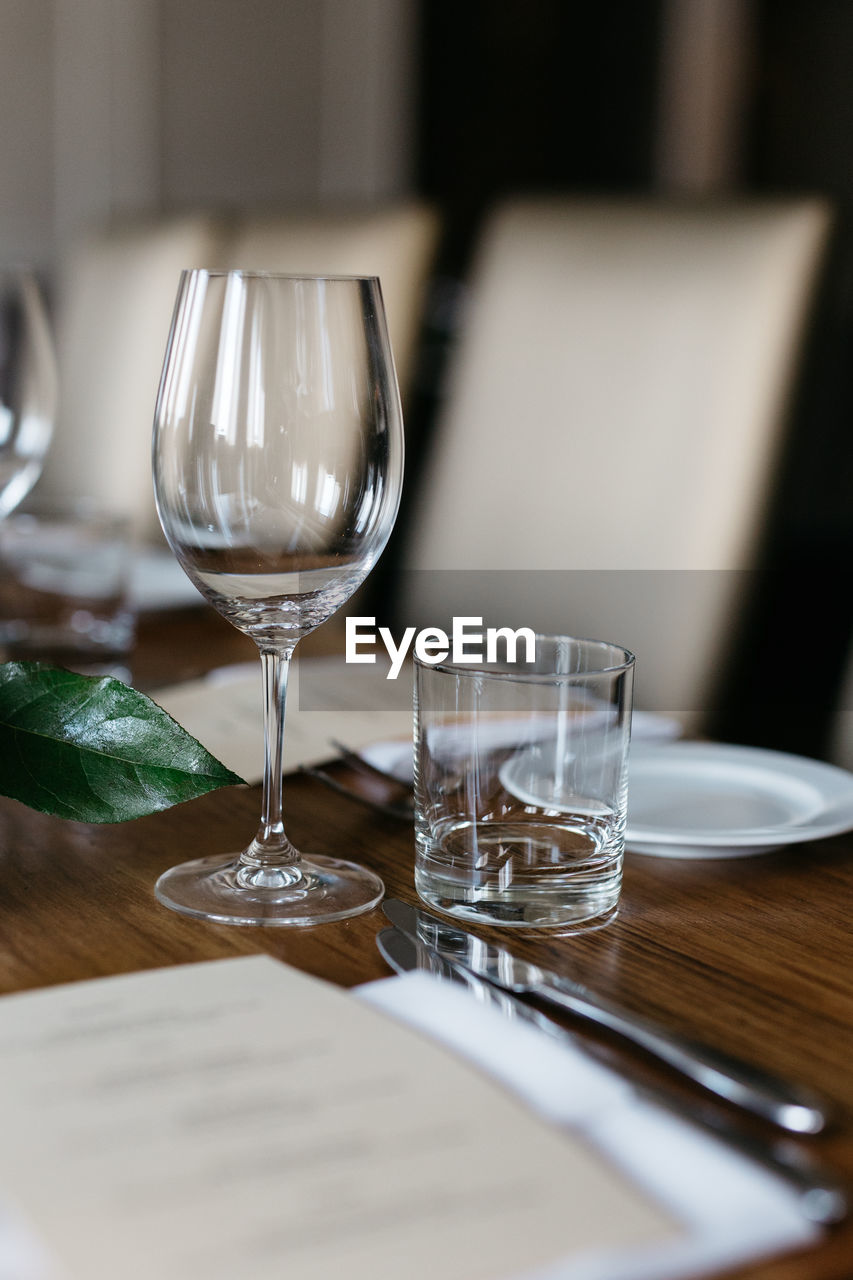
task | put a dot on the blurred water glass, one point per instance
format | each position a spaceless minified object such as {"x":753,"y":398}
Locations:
{"x":64,"y":587}
{"x":28,"y":386}
{"x":521,"y":785}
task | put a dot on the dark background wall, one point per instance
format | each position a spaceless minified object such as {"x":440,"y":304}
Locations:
{"x":533,"y":94}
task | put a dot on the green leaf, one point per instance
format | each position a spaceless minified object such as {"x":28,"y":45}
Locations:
{"x":92,"y":749}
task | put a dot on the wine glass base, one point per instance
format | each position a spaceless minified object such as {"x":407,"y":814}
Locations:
{"x":319,"y":890}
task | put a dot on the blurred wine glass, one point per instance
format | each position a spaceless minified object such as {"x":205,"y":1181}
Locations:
{"x":28,"y":386}
{"x":278,"y":458}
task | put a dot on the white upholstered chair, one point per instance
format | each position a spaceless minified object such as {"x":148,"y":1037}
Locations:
{"x":116,"y":292}
{"x":116,"y":295}
{"x":612,"y":420}
{"x":397,"y":244}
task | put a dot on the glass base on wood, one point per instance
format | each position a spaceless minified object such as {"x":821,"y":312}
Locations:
{"x":316,"y":890}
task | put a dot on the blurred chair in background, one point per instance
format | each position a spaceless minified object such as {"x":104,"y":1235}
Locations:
{"x":615,"y":411}
{"x":115,"y":295}
{"x":396,"y":244}
{"x":115,"y":298}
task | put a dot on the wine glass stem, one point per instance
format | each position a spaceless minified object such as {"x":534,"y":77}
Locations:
{"x":271,"y":847}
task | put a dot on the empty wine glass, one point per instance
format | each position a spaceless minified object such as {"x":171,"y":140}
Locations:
{"x":28,"y":386}
{"x":278,"y":458}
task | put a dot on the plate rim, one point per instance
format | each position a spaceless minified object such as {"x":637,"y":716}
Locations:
{"x":753,"y":838}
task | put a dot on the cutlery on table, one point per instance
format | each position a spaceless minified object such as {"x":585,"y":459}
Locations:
{"x":404,"y":810}
{"x":790,"y":1106}
{"x":402,"y":807}
{"x":822,"y":1198}
{"x":357,"y":761}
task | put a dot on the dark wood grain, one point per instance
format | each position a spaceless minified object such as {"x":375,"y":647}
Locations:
{"x":753,"y":955}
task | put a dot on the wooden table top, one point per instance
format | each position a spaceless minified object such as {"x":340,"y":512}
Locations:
{"x":753,"y":955}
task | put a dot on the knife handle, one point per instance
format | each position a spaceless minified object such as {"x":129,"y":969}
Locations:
{"x":755,"y":1090}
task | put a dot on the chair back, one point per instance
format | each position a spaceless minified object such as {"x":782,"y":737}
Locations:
{"x":396,"y":244}
{"x":116,"y":294}
{"x":612,"y":421}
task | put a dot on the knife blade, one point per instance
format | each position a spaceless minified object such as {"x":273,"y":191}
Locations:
{"x":822,"y":1198}
{"x":790,"y":1106}
{"x":405,"y":954}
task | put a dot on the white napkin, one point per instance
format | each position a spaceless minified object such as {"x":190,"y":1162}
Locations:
{"x":326,"y":699}
{"x":732,"y":1209}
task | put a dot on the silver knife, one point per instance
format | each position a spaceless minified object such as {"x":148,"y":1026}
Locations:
{"x":403,"y":954}
{"x":790,"y":1106}
{"x":822,"y":1198}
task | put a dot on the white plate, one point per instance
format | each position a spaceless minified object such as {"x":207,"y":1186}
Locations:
{"x":708,"y":800}
{"x":396,"y":757}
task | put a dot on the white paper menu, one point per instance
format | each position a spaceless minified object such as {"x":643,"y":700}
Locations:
{"x":238,"y":1120}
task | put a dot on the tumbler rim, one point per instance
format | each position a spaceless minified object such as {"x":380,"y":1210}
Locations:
{"x":519,"y":671}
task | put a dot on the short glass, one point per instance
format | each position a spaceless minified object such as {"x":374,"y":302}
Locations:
{"x":64,"y":586}
{"x":521,"y":784}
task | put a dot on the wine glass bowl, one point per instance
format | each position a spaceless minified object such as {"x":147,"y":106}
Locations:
{"x":278,"y":454}
{"x":28,"y":386}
